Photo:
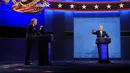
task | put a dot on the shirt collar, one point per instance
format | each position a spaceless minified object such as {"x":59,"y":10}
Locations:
{"x":33,"y":24}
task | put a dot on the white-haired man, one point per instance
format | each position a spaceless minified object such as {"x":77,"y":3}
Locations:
{"x":100,"y":33}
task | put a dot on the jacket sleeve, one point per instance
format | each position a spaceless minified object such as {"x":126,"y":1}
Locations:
{"x":94,"y":32}
{"x":39,"y":32}
{"x":106,"y":34}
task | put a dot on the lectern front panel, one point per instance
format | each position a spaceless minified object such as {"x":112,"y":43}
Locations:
{"x":104,"y":51}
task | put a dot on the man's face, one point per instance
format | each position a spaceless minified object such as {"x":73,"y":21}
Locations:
{"x":35,"y":22}
{"x":101,"y":28}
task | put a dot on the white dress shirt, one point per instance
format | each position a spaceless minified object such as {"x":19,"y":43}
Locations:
{"x":101,"y":33}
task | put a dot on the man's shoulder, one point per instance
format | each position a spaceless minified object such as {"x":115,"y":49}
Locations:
{"x":104,"y":31}
{"x":30,"y":25}
{"x":97,"y":30}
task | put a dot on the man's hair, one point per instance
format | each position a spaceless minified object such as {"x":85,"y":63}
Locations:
{"x":32,"y":20}
{"x":101,"y":26}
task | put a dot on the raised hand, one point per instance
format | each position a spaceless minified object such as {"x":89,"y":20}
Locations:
{"x":41,"y":27}
{"x":92,"y":30}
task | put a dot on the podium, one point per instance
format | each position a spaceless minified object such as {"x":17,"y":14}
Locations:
{"x":43,"y":49}
{"x":103,"y":45}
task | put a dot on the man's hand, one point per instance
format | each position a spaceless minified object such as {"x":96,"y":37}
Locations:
{"x":92,"y":30}
{"x":41,"y":27}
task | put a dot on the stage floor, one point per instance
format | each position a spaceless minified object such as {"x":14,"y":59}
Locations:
{"x":116,"y":66}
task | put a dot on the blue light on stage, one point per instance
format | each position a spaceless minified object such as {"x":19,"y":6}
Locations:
{"x":20,"y":19}
{"x":125,"y":12}
{"x":49,"y":52}
{"x":104,"y":51}
{"x":60,"y":10}
{"x":97,"y":14}
{"x":48,"y":20}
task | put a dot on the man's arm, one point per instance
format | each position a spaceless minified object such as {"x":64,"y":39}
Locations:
{"x":39,"y":32}
{"x":30,"y":29}
{"x":93,"y":32}
{"x":106,"y":34}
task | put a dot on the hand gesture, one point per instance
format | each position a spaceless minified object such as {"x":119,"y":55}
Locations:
{"x":41,"y":27}
{"x":92,"y":30}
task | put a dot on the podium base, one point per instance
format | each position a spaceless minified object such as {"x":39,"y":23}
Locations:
{"x":104,"y":61}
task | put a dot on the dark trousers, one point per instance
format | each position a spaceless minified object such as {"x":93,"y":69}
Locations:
{"x":28,"y":49}
{"x":99,"y":51}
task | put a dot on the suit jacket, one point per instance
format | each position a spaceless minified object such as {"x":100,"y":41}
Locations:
{"x":32,"y":32}
{"x":40,"y":32}
{"x":99,"y":34}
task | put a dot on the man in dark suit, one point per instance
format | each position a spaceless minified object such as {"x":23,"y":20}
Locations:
{"x":100,"y":33}
{"x":31,"y":33}
{"x":40,"y":31}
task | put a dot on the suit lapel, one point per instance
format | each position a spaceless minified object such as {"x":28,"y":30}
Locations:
{"x":102,"y":33}
{"x":33,"y":28}
{"x":99,"y":33}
